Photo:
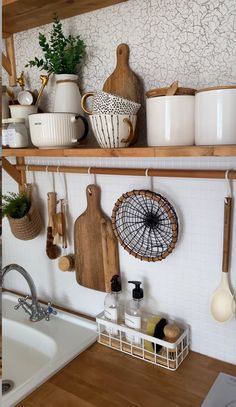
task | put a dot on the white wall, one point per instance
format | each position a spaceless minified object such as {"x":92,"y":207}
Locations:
{"x":194,"y":42}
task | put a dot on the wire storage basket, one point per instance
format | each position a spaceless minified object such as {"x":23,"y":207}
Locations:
{"x":146,"y":225}
{"x":142,"y":346}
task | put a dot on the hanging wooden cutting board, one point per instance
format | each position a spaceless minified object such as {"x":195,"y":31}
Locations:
{"x":123,"y":81}
{"x":96,"y":247}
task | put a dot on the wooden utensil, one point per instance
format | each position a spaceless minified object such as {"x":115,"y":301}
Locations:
{"x":96,"y":248}
{"x":52,"y":250}
{"x":123,"y":81}
{"x":172,"y":89}
{"x":222,"y":301}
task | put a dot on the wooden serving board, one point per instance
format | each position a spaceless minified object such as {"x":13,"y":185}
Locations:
{"x":96,"y":247}
{"x":123,"y":81}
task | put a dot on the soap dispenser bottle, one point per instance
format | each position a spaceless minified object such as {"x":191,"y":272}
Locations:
{"x":112,"y":303}
{"x":133,"y":312}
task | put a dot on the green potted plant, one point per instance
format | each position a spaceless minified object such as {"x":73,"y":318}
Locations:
{"x":61,"y":56}
{"x":22,"y":214}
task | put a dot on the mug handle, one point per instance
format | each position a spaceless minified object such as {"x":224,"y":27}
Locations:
{"x":83,"y":100}
{"x":86,"y":126}
{"x":130,"y":137}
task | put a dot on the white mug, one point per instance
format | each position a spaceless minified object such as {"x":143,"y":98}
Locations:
{"x":113,"y":130}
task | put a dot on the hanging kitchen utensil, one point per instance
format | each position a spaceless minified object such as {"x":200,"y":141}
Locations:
{"x":222,"y":304}
{"x":52,"y":250}
{"x":145,"y":224}
{"x":96,"y":247}
{"x":123,"y":81}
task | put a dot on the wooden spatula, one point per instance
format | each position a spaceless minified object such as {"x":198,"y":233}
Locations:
{"x":123,"y":81}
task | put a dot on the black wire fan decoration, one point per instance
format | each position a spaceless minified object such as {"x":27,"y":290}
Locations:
{"x":145,"y":224}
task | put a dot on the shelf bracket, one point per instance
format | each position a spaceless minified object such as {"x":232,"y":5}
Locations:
{"x":17,"y":175}
{"x":8,"y":61}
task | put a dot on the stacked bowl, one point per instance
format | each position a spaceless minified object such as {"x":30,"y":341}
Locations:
{"x":113,"y":118}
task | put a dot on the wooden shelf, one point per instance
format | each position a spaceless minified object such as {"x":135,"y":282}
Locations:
{"x":21,"y":15}
{"x":182,"y":151}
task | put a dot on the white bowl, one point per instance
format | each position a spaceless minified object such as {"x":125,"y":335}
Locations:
{"x":57,"y":130}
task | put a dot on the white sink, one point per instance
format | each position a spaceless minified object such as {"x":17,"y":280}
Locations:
{"x":34,"y":351}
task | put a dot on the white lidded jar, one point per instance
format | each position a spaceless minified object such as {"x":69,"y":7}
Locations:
{"x":133,"y":313}
{"x":215,"y":118}
{"x":170,"y":119}
{"x":112,"y":306}
{"x":16,"y":133}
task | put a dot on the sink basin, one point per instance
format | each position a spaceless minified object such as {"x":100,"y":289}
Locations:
{"x":34,"y":351}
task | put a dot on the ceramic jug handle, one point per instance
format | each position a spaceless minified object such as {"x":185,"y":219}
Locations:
{"x":83,"y":100}
{"x":86,"y":126}
{"x":130,"y":137}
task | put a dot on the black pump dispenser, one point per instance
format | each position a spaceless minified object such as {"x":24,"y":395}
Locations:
{"x":115,"y":284}
{"x":137,"y":291}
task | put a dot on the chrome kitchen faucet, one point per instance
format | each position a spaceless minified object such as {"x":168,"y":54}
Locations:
{"x":34,"y":309}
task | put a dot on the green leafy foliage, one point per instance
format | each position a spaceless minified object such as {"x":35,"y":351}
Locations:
{"x":61,"y":54}
{"x":15,"y":205}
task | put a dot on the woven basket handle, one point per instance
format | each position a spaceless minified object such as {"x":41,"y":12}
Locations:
{"x":28,"y":191}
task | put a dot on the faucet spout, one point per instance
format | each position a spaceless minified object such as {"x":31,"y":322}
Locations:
{"x":34,"y":309}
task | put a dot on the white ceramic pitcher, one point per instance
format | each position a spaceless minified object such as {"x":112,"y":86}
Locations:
{"x":67,"y":95}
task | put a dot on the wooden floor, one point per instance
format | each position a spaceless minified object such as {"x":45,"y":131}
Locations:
{"x":102,"y":377}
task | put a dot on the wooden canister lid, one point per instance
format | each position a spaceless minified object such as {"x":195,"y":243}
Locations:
{"x":162,"y":92}
{"x":215,"y":88}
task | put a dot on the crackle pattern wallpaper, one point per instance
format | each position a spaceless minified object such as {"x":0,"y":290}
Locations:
{"x":193,"y":41}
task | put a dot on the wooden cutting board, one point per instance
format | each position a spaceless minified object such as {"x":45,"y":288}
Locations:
{"x":123,"y":81}
{"x":96,"y":247}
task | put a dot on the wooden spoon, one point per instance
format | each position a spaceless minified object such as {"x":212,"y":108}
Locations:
{"x":222,"y":302}
{"x":172,"y":89}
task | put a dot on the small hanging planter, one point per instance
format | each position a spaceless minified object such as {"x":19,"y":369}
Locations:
{"x":22,"y":214}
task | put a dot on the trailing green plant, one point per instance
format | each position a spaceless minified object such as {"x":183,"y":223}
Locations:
{"x":15,"y":205}
{"x":61,"y":54}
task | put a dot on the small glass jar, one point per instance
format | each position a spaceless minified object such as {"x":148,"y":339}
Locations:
{"x":17,"y":133}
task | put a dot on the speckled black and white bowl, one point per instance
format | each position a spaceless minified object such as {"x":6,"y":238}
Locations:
{"x":106,"y":103}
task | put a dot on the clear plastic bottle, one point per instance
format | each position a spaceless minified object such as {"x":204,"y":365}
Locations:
{"x":112,"y":309}
{"x":133,"y":313}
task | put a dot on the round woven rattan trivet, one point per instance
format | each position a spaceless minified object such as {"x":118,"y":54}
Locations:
{"x":145,"y":224}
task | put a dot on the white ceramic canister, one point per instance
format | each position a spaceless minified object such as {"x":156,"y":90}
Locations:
{"x":16,"y":133}
{"x":22,"y":112}
{"x":215,"y":116}
{"x":170,"y":120}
